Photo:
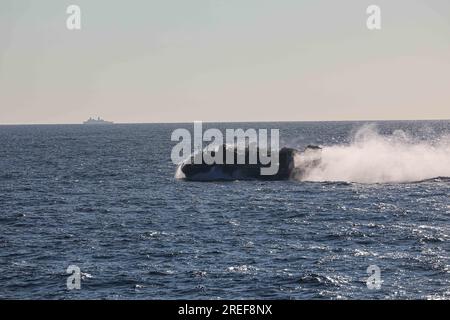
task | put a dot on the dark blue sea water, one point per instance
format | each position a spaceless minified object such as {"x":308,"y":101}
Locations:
{"x":105,"y":198}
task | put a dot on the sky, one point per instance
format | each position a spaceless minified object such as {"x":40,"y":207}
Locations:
{"x":142,"y":61}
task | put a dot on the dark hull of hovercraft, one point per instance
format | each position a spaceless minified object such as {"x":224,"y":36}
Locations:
{"x":232,"y":172}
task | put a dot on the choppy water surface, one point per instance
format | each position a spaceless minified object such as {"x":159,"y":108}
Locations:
{"x":105,"y":198}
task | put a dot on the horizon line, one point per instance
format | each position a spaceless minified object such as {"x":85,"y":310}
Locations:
{"x":234,"y":121}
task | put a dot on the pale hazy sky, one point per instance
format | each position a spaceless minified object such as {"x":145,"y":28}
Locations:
{"x":223,"y":60}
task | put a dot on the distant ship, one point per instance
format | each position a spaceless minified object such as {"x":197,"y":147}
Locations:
{"x":97,"y":121}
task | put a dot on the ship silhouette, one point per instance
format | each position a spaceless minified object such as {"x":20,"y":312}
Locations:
{"x":97,"y":121}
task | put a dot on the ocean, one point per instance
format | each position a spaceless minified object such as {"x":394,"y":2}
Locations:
{"x":105,"y":199}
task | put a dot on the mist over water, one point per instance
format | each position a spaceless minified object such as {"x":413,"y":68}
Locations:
{"x":372,"y":157}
